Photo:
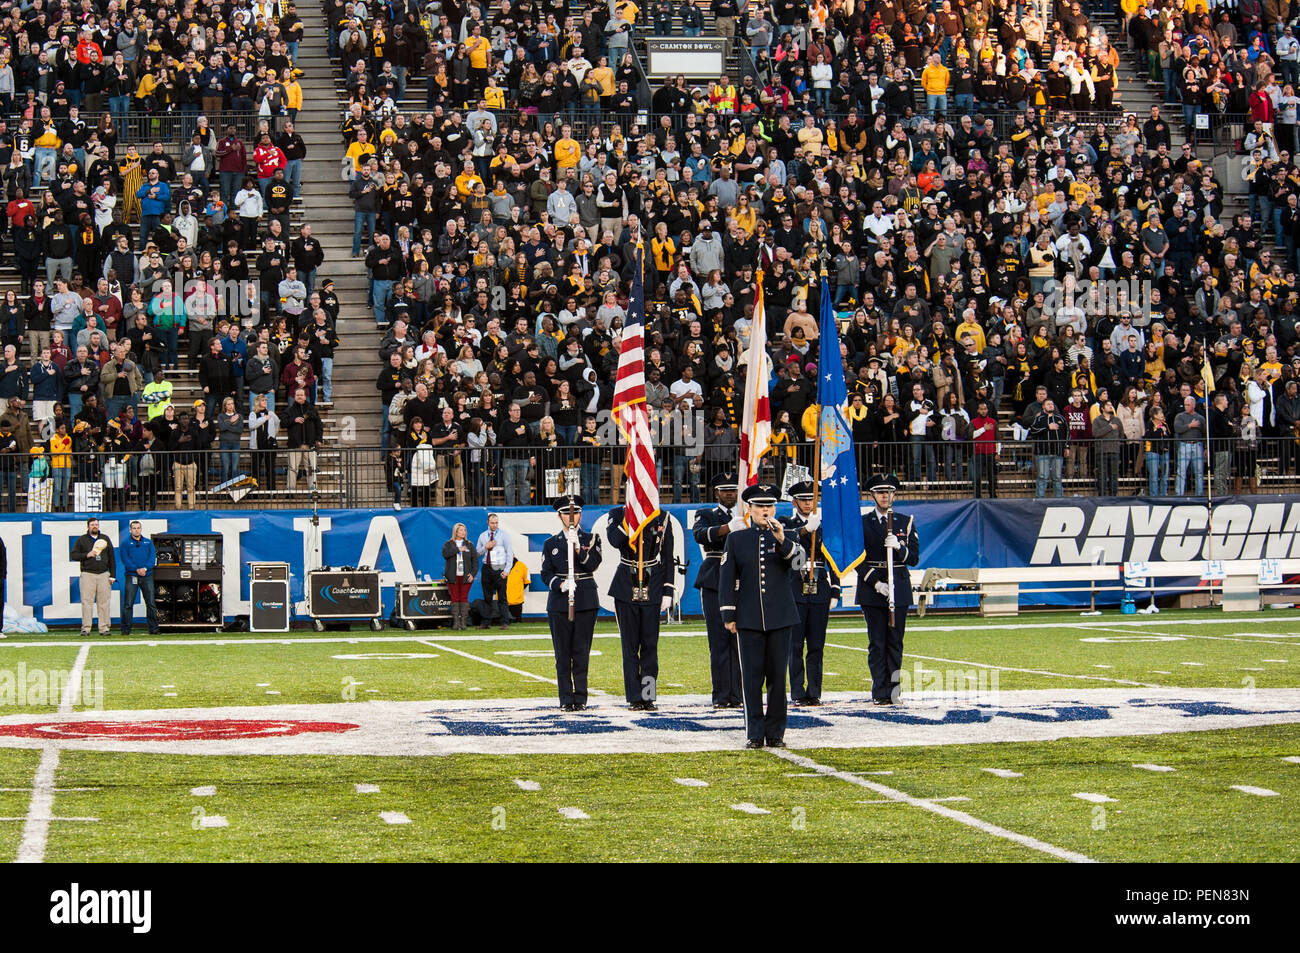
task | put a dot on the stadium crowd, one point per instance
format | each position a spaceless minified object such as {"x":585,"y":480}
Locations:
{"x":136,"y":260}
{"x":934,"y":161}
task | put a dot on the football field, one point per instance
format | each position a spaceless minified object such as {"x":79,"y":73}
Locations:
{"x":1047,"y":737}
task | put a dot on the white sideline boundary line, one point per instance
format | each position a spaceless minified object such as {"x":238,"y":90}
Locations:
{"x":40,"y":809}
{"x":1007,"y":668}
{"x":961,"y":817}
{"x":837,"y":626}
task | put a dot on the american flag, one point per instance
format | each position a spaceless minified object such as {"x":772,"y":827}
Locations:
{"x":756,"y":434}
{"x":642,"y":502}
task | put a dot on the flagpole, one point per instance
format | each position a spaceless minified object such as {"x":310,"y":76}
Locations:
{"x":817,"y":444}
{"x":751,"y":380}
{"x":1208,"y":377}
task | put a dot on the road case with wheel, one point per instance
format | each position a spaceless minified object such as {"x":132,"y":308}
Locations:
{"x":344,"y":594}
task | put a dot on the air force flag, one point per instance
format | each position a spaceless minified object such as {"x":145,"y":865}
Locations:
{"x":842,"y":541}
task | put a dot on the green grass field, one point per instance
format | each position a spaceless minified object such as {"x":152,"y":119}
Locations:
{"x":884,"y":793}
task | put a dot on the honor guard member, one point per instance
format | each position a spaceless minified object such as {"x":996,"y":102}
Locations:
{"x":640,"y":596}
{"x":711,"y":528}
{"x":884,"y":531}
{"x":814,"y":590}
{"x":573,"y":600}
{"x":758,"y":570}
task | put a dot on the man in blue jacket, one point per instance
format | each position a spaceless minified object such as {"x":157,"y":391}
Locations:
{"x":138,"y":559}
{"x":155,"y":198}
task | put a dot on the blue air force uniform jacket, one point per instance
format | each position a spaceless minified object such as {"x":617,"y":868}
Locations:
{"x":873,"y":570}
{"x":755,"y":580}
{"x":657,"y":548}
{"x":705,"y":530}
{"x":555,"y":569}
{"x":828,"y":588}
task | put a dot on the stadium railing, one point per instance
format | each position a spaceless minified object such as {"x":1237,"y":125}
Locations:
{"x":357,"y":477}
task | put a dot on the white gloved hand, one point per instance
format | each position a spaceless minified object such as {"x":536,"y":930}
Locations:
{"x":814,"y":522}
{"x":891,"y":542}
{"x":567,"y":586}
{"x":883,"y":589}
{"x":736,"y":525}
{"x":665,"y":603}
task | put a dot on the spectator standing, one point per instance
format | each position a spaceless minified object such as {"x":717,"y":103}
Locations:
{"x":1189,"y":431}
{"x":518,"y":457}
{"x":1158,"y":440}
{"x":1108,"y":442}
{"x":1223,"y":438}
{"x":305,"y":438}
{"x":263,"y":438}
{"x":984,"y":460}
{"x":1048,"y":434}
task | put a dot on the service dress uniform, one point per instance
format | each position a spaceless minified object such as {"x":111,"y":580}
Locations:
{"x":639,"y":601}
{"x":571,"y":639}
{"x":814,"y":590}
{"x":755,"y":593}
{"x":885,"y":642}
{"x":710,"y":529}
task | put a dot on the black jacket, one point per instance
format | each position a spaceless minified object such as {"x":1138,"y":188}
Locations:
{"x":555,"y":569}
{"x":874,"y":569}
{"x":309,"y":431}
{"x":751,"y":559}
{"x":469,"y":559}
{"x":105,"y":562}
{"x":657,"y":549}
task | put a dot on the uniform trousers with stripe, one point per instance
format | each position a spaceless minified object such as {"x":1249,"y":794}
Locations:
{"x":809,"y":635}
{"x":884,"y":650}
{"x":638,"y":630}
{"x":572,"y":644}
{"x":724,"y":660}
{"x":764,"y":656}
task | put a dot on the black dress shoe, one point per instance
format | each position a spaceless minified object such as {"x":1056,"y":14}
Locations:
{"x":775,"y":743}
{"x":812,"y":702}
{"x":649,"y":706}
{"x":882,"y":701}
{"x":636,"y":706}
{"x":798,"y":702}
{"x":579,"y":707}
{"x":753,"y":744}
{"x":735,"y":704}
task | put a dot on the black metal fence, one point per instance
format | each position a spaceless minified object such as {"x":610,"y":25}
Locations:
{"x":344,"y":477}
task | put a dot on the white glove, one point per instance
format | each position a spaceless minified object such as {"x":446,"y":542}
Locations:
{"x":567,"y":586}
{"x":883,"y":589}
{"x":736,"y":525}
{"x":814,"y":522}
{"x":665,"y":603}
{"x":891,"y":542}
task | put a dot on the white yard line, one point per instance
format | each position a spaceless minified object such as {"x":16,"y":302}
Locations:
{"x":1008,"y":668}
{"x":961,"y":817}
{"x":496,"y":664}
{"x":1187,"y":635}
{"x":487,"y":661}
{"x":838,"y":625}
{"x":40,"y":809}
